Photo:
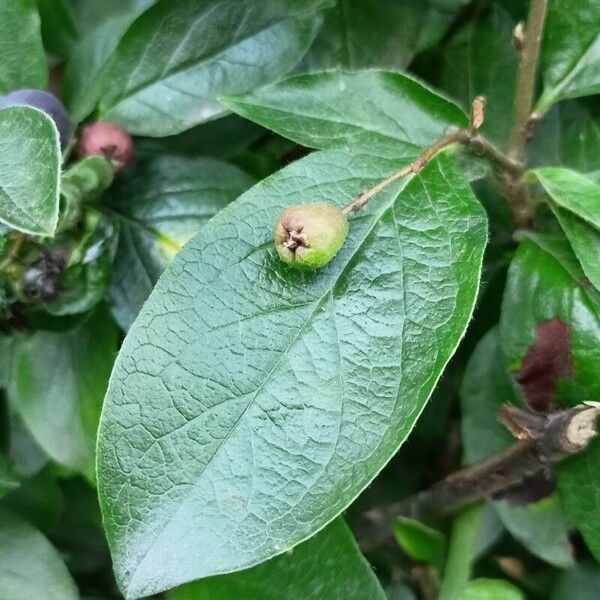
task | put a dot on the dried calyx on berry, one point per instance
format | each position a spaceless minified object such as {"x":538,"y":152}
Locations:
{"x":310,"y":235}
{"x":47,"y":103}
{"x":106,"y":139}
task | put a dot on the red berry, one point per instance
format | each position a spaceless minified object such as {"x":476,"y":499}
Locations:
{"x":108,"y":139}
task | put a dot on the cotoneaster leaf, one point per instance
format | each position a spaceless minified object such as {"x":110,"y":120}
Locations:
{"x":251,"y":403}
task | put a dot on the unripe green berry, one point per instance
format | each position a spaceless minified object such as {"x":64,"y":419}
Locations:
{"x":310,"y":235}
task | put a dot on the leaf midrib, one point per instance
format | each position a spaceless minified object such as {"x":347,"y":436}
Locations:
{"x":318,"y":303}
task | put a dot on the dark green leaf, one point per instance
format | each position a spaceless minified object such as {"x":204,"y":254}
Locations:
{"x":59,"y":30}
{"x":29,"y":170}
{"x":570,"y":52}
{"x":479,"y":59}
{"x":545,"y":282}
{"x":102,"y":25}
{"x":247,"y":391}
{"x":419,"y":541}
{"x":8,"y":479}
{"x":223,"y":138}
{"x":30,"y":566}
{"x":57,"y":384}
{"x":328,"y":566}
{"x":378,"y":33}
{"x":161,"y":203}
{"x":38,"y":500}
{"x":542,"y":526}
{"x":486,"y":386}
{"x":161,"y":81}
{"x":22,"y":61}
{"x":582,"y":582}
{"x":569,"y":135}
{"x":390,"y":113}
{"x":491,"y":589}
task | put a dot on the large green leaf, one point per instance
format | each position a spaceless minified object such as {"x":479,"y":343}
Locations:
{"x":30,"y":567}
{"x":541,"y":526}
{"x":545,"y":282}
{"x":102,"y":26}
{"x":22,"y":58}
{"x":57,"y":384}
{"x":390,"y":113}
{"x":170,"y":68}
{"x":29,"y":170}
{"x":251,"y":403}
{"x":571,"y":51}
{"x":378,"y":33}
{"x":328,"y":566}
{"x":479,"y":59}
{"x":161,"y":203}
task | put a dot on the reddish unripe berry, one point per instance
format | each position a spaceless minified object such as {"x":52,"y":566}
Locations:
{"x":107,"y":139}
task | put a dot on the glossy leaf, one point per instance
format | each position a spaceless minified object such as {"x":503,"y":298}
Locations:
{"x":29,"y":170}
{"x":546,"y":282}
{"x":570,"y":51}
{"x":572,"y":191}
{"x":391,"y":113}
{"x":329,"y":565}
{"x":491,"y":589}
{"x":22,"y":59}
{"x":161,"y":81}
{"x":102,"y":30}
{"x":479,"y":59}
{"x":247,"y":391}
{"x":541,"y":526}
{"x":358,"y":34}
{"x":30,"y":567}
{"x":57,"y":384}
{"x":161,"y":203}
{"x":585,"y":241}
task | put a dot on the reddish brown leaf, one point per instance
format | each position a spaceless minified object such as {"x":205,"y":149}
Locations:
{"x":547,"y":360}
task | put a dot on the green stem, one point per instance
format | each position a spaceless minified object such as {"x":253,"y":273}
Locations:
{"x":460,"y":552}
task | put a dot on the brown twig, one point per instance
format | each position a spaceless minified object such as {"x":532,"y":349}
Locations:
{"x":531,"y":41}
{"x":542,"y":441}
{"x":465,"y":136}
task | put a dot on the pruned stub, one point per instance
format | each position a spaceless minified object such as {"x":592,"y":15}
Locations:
{"x":546,"y":361}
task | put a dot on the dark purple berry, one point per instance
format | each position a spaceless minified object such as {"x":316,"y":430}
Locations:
{"x":107,"y":139}
{"x":46,"y":102}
